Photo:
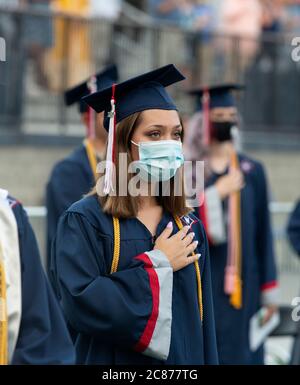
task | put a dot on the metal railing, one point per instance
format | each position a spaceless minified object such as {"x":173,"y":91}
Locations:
{"x":84,"y":45}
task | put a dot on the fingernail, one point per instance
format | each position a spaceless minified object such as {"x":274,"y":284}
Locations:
{"x":169,"y":225}
{"x":192,"y":235}
{"x":196,"y":242}
{"x":198,"y":256}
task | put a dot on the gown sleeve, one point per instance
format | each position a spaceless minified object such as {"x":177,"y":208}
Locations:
{"x":212,"y":215}
{"x":210,"y":342}
{"x":130,"y":308}
{"x":62,"y":191}
{"x":264,"y":238}
{"x":293,"y":229}
{"x":43,"y":337}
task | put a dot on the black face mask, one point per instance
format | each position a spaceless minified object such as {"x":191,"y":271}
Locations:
{"x":221,"y":131}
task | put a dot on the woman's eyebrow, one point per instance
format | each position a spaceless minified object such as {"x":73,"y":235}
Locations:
{"x":177,"y":126}
{"x":160,"y":126}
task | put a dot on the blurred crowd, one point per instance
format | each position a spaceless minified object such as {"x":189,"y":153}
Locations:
{"x":247,"y":18}
{"x":100,"y":8}
{"x":213,"y":23}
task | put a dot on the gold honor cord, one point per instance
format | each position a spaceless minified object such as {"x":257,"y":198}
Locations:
{"x":116,"y":257}
{"x":91,"y":156}
{"x":3,"y":314}
{"x":117,"y":241}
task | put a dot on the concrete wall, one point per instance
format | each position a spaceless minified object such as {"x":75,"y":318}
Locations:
{"x":24,"y":171}
{"x":283,"y":171}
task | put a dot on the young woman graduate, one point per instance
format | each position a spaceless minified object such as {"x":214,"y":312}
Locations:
{"x":75,"y":175}
{"x":32,"y":328}
{"x":235,"y":214}
{"x":293,"y":229}
{"x":134,"y":281}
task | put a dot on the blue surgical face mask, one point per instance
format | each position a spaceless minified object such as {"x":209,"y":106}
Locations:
{"x":159,"y":160}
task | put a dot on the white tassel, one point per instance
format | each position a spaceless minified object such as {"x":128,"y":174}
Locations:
{"x":109,"y":172}
{"x":92,"y":86}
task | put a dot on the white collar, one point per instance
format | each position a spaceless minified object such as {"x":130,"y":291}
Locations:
{"x":3,"y":194}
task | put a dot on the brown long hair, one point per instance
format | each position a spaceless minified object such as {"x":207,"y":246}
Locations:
{"x":127,"y":206}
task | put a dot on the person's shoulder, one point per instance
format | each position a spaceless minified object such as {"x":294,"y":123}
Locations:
{"x":90,"y":209}
{"x":71,"y":163}
{"x":78,"y":155}
{"x":16,"y":207}
{"x":250,"y":165}
{"x":86,"y":205}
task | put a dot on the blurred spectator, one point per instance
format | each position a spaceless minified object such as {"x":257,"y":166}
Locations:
{"x":197,"y":15}
{"x":73,"y":39}
{"x":272,"y":15}
{"x":190,"y":14}
{"x":165,"y":10}
{"x":72,"y":7}
{"x":72,"y":45}
{"x":272,"y":11}
{"x":240,"y":19}
{"x":108,"y":9}
{"x":38,"y":36}
{"x":292,"y":16}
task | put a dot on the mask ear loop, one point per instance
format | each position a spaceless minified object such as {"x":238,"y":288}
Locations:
{"x":136,"y":144}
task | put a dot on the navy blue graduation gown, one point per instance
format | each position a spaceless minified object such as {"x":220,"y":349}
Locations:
{"x":294,"y":228}
{"x":71,"y":178}
{"x":43,"y":336}
{"x":259,"y":284}
{"x":115,"y":315}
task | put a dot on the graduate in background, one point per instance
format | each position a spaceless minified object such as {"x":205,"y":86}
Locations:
{"x":293,"y":229}
{"x":236,"y":217}
{"x":133,"y":272}
{"x":32,"y":328}
{"x":74,"y":176}
{"x":293,"y":232}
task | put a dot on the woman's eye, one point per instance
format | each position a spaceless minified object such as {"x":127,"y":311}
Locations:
{"x":177,"y":135}
{"x":154,"y":135}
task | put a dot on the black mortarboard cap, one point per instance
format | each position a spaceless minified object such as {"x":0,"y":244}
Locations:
{"x":220,"y":95}
{"x":143,"y":92}
{"x":104,"y":79}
